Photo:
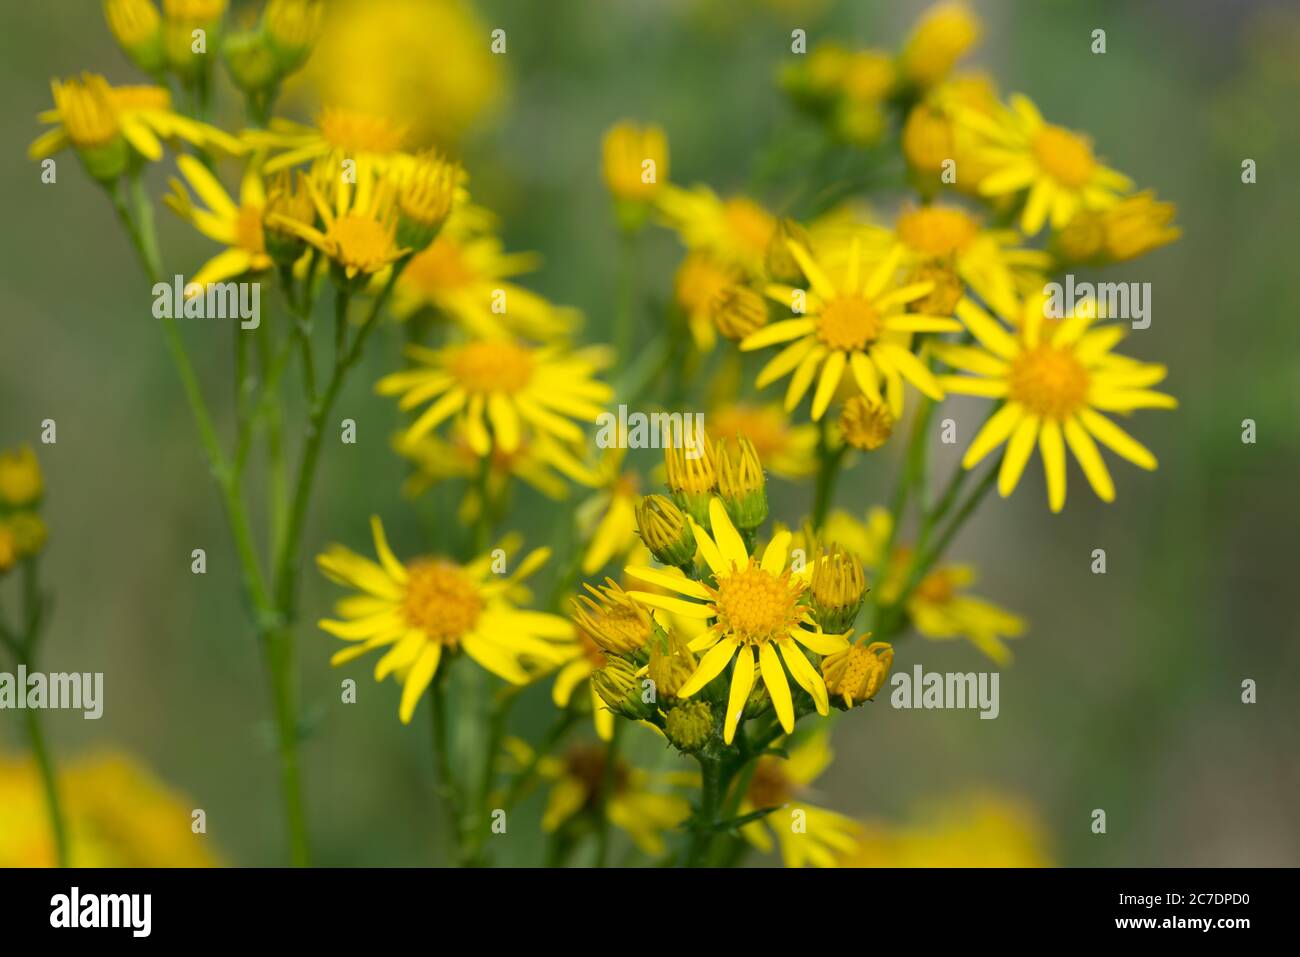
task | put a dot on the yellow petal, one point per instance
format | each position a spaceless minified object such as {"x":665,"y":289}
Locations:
{"x":777,"y":687}
{"x":1017,"y":455}
{"x":742,"y":680}
{"x":1052,"y":446}
{"x":418,"y":679}
{"x":710,"y":666}
{"x":729,"y":542}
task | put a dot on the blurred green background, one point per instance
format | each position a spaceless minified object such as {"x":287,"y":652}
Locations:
{"x":1125,"y":694}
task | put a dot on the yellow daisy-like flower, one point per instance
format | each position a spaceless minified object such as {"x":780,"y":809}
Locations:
{"x":236,"y":225}
{"x":540,"y":462}
{"x":635,"y":161}
{"x":634,"y":802}
{"x":100,"y":121}
{"x":1056,"y":166}
{"x":785,"y":449}
{"x":360,"y":223}
{"x":735,"y":231}
{"x":861,"y":326}
{"x":965,"y":830}
{"x":777,"y":783}
{"x":516,"y":388}
{"x":464,"y":274}
{"x":940,"y":607}
{"x":611,"y":513}
{"x":700,"y":280}
{"x":374,"y":142}
{"x":757,"y":608}
{"x":1055,"y":379}
{"x":119,"y":814}
{"x":429,"y":606}
{"x":1133,"y":227}
{"x":988,"y":261}
{"x":21,"y":482}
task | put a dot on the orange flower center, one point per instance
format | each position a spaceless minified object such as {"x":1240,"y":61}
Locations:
{"x":440,"y":267}
{"x":755,"y":606}
{"x":769,"y":787}
{"x":362,"y":243}
{"x":1049,"y":382}
{"x":248,"y":230}
{"x":937,"y":231}
{"x":490,"y":366}
{"x":353,"y":132}
{"x":441,"y":600}
{"x":936,"y":588}
{"x":848,"y":323}
{"x":1065,"y":156}
{"x":766,"y":428}
{"x":750,"y":224}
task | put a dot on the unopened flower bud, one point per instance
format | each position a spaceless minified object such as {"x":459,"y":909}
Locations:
{"x":249,"y":61}
{"x":671,"y":665}
{"x":612,"y":618}
{"x":20,"y":478}
{"x":738,"y":311}
{"x":866,"y":424}
{"x":426,"y":192}
{"x":688,"y":724}
{"x":692,"y":477}
{"x":292,"y":27}
{"x":618,"y":686}
{"x":741,"y":485}
{"x":665,"y":531}
{"x":858,"y":672}
{"x":837,"y":588}
{"x":137,"y":28}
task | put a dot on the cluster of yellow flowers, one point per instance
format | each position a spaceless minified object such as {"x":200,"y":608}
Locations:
{"x":724,"y":627}
{"x":22,"y":530}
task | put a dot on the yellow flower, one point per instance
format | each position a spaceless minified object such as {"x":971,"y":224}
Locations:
{"x":427,"y":189}
{"x":373,"y":56}
{"x":292,"y":28}
{"x":785,"y":449}
{"x":965,"y":830}
{"x":608,"y":623}
{"x":756,"y":608}
{"x":1055,"y":165}
{"x":989,"y":261}
{"x":735,"y":231}
{"x":137,"y":28}
{"x":463,"y":275}
{"x":611,"y":513}
{"x":942,"y":38}
{"x":635,"y":161}
{"x":939,"y":607}
{"x":101,"y":122}
{"x":632,"y":802}
{"x":540,"y":462}
{"x":373,"y":142}
{"x":1055,"y":379}
{"x":360,"y":223}
{"x":235,"y":225}
{"x":1133,"y":227}
{"x":518,"y":389}
{"x":21,"y":483}
{"x":118,"y":815}
{"x":700,"y":281}
{"x":863,"y":326}
{"x":932,"y":135}
{"x":431,"y":605}
{"x":806,"y":835}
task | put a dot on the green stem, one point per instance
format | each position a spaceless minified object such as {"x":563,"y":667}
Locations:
{"x":36,"y":738}
{"x":828,"y":473}
{"x":603,"y":795}
{"x":448,"y":792}
{"x":706,"y":815}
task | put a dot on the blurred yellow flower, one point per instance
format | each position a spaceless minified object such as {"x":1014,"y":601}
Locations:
{"x":735,"y":231}
{"x":463,"y":275}
{"x":430,"y":605}
{"x":943,"y":36}
{"x":104,"y":124}
{"x":633,"y":802}
{"x":786,"y":450}
{"x":516,"y":388}
{"x":118,"y":813}
{"x":377,"y":57}
{"x":969,"y":830}
{"x":610,"y":515}
{"x":235,"y":225}
{"x":635,"y":161}
{"x":373,"y":141}
{"x":805,"y":834}
{"x":21,"y":482}
{"x":1133,"y":227}
{"x":1056,"y":166}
